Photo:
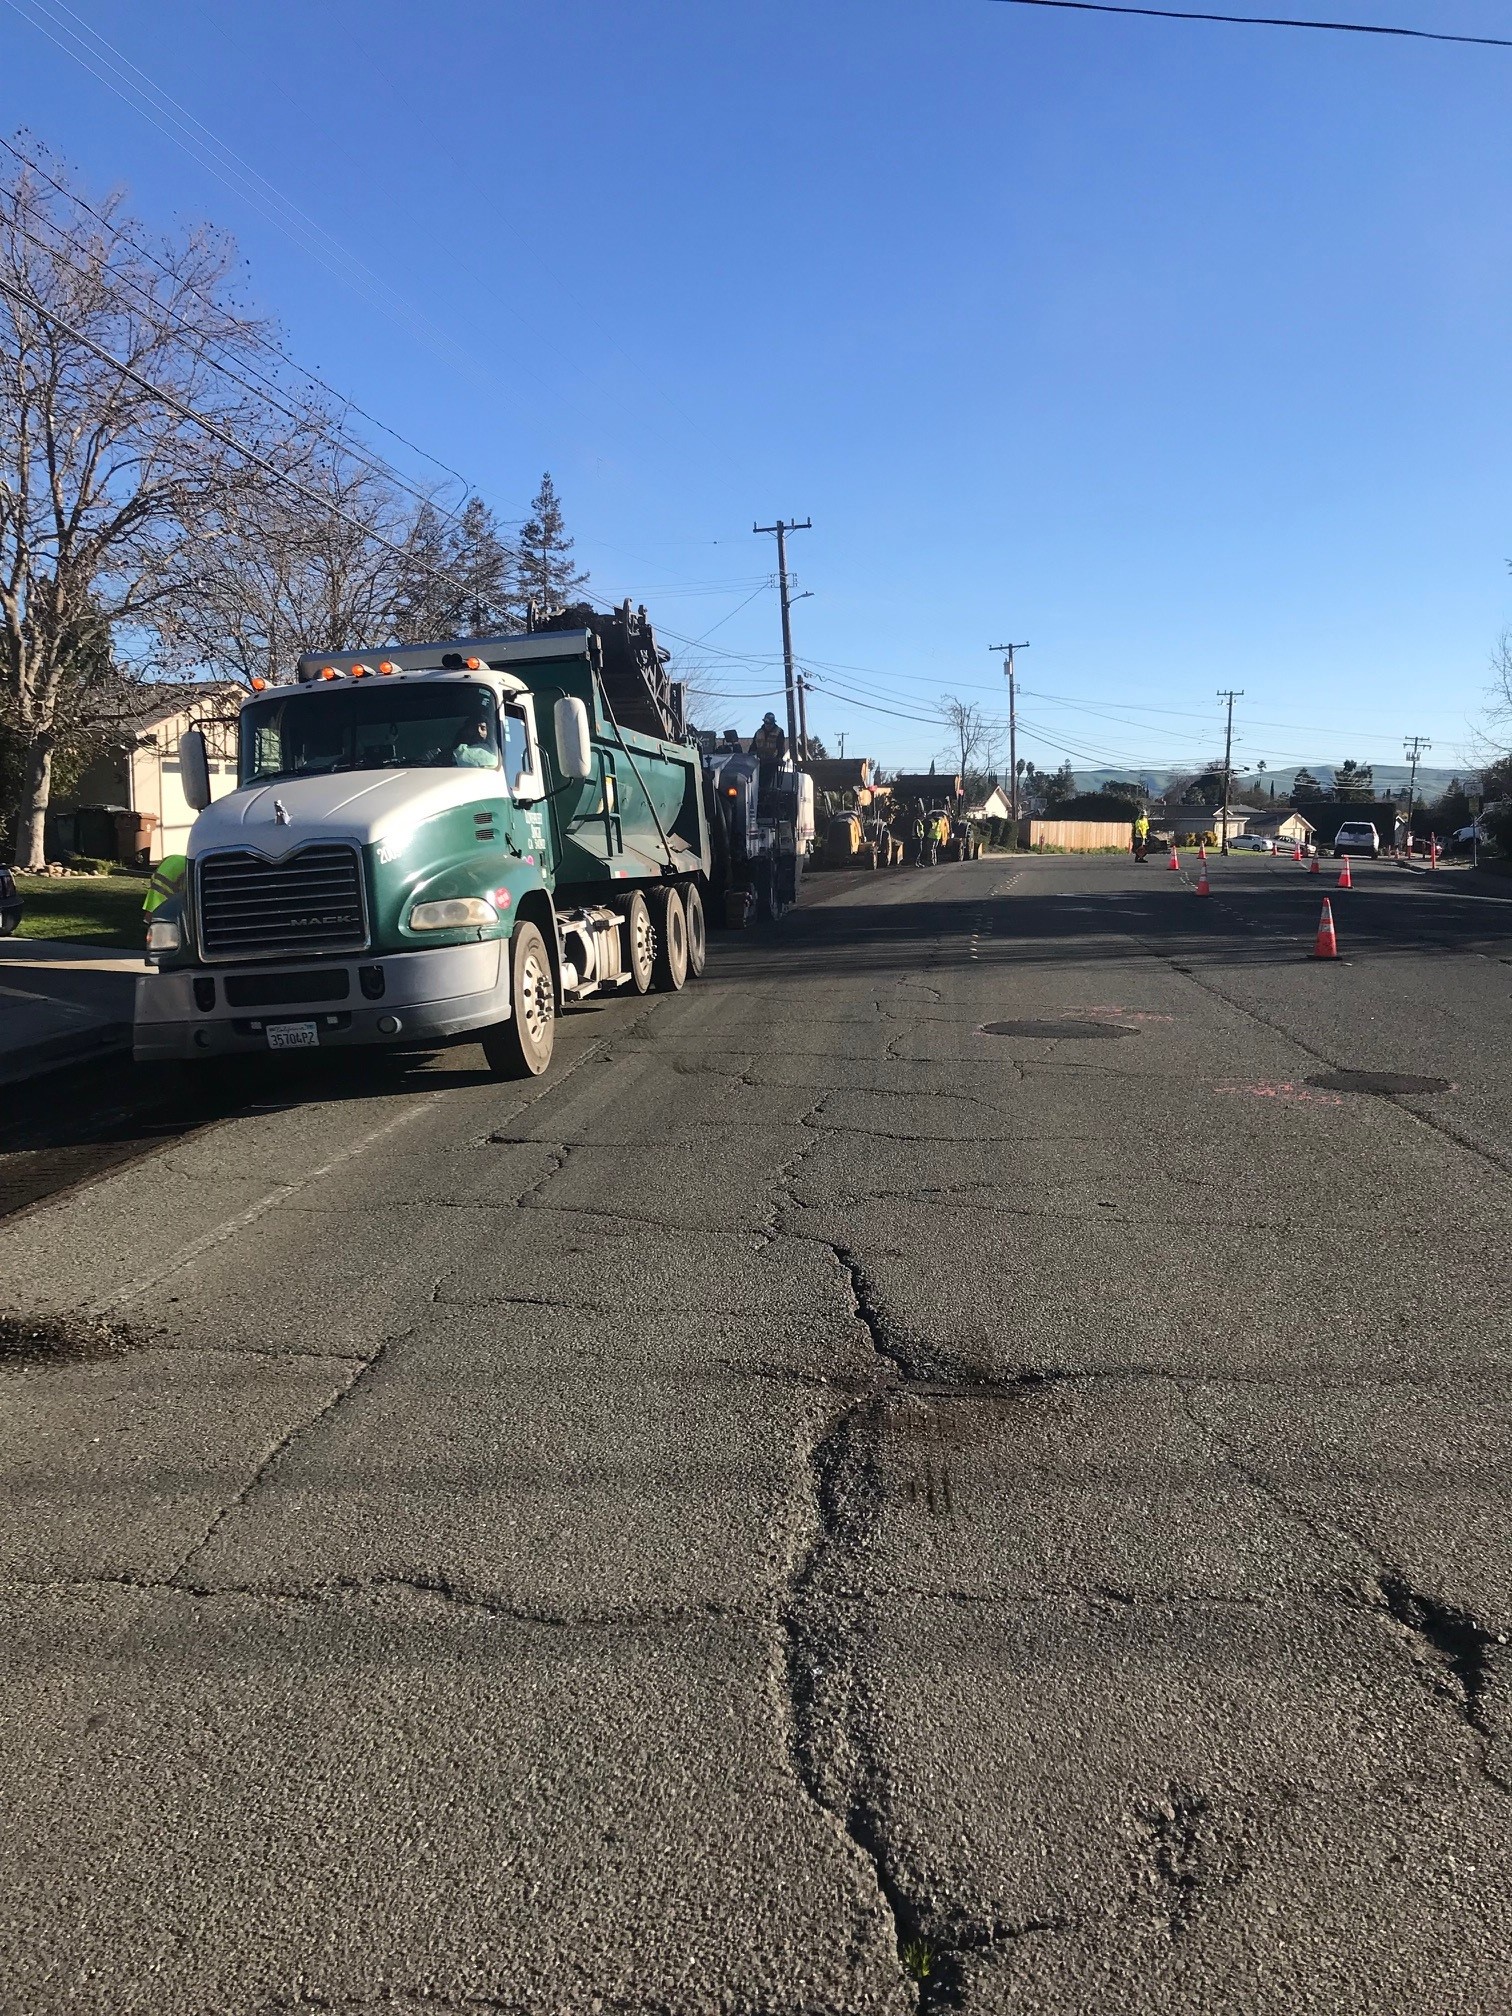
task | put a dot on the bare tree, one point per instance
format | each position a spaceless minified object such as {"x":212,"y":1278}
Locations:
{"x":107,"y":353}
{"x":323,"y":561}
{"x":1499,"y":713}
{"x":971,"y":734}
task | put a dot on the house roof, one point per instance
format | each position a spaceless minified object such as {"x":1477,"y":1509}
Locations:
{"x":151,"y":704}
{"x":1268,"y":821}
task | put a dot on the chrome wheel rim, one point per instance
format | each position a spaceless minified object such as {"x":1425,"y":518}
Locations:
{"x":645,"y":942}
{"x":535,"y":1000}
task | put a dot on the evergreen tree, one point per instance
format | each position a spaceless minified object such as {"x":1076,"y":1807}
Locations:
{"x":1354,"y":781}
{"x":547,"y":576}
{"x":1305,"y":788}
{"x":459,"y":580}
{"x":1058,"y":786}
{"x":1206,"y":789}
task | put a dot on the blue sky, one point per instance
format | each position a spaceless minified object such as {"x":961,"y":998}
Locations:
{"x":1180,"y":351}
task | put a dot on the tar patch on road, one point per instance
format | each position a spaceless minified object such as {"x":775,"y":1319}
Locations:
{"x":1385,"y":1084}
{"x":47,"y":1340}
{"x":1072,"y":1032}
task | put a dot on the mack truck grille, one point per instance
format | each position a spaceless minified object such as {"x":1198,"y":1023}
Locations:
{"x":310,"y":902}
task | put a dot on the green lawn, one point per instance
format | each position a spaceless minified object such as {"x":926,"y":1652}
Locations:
{"x":91,"y":909}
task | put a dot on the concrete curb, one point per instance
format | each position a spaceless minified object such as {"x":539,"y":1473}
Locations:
{"x":31,"y":1060}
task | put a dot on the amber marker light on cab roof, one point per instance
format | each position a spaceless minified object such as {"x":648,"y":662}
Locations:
{"x":475,"y":664}
{"x":259,"y":685}
{"x":386,"y":667}
{"x":328,"y":672}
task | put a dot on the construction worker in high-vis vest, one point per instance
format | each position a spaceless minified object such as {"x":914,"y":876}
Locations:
{"x":167,"y":880}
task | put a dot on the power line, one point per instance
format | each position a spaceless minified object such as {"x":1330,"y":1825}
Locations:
{"x":264,"y":388}
{"x":1230,"y":695}
{"x":212,"y":152}
{"x":765,"y":583}
{"x":226,"y":438}
{"x":165,"y":113}
{"x":1266,"y":21}
{"x":264,"y":342}
{"x":1412,"y":751}
{"x":1008,"y":650}
{"x":782,"y":529}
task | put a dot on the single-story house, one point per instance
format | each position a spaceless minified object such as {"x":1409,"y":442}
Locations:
{"x":129,"y":804}
{"x":996,"y":805}
{"x":1190,"y":822}
{"x":1284,"y":824}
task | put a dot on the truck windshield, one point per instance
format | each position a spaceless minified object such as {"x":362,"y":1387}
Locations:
{"x":445,"y":726}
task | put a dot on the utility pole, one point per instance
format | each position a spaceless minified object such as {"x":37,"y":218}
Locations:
{"x":782,"y":530}
{"x":1228,"y":757}
{"x":802,"y":756}
{"x":1008,"y":650}
{"x":842,"y":745}
{"x":1412,"y":751}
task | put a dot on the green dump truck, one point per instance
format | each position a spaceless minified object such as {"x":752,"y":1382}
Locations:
{"x":437,"y":841}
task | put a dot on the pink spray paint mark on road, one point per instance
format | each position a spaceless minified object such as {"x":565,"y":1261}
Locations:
{"x":1105,"y":1013}
{"x":1284,"y":1090}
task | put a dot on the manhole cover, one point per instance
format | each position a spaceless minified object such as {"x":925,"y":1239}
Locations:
{"x":1072,"y":1032}
{"x":1385,"y":1083}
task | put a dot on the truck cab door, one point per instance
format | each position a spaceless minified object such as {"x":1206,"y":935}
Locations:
{"x":524,"y":775}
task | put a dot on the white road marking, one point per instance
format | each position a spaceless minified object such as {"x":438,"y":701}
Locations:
{"x":278,"y":1195}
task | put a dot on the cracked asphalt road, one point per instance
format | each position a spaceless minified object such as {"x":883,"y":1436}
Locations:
{"x":814,"y":1507}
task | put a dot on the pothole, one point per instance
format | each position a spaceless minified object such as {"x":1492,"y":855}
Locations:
{"x":1070,"y":1032}
{"x":1383,"y":1083}
{"x":50,"y":1340}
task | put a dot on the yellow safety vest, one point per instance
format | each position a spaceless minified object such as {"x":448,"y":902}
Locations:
{"x":167,"y":880}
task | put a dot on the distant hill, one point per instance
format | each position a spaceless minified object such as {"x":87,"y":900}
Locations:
{"x":1389,"y":778}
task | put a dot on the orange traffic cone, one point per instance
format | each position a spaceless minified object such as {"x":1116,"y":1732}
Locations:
{"x":1202,"y":850}
{"x":1326,"y":945}
{"x":1296,"y":853}
{"x":1317,"y":866}
{"x":1174,"y":862}
{"x":1346,"y":880}
{"x":1203,"y":888}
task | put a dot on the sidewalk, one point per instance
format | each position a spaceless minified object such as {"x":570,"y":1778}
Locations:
{"x":61,"y":1002}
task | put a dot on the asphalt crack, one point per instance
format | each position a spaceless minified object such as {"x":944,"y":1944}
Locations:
{"x":833,"y":1715}
{"x":286,"y":1442}
{"x":1458,"y":1653}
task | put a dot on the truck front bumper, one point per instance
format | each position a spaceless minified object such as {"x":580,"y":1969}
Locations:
{"x":401,"y":999}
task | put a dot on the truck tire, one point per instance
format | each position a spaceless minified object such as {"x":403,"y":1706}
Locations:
{"x":671,"y":921}
{"x":698,"y":932}
{"x":521,"y":1047}
{"x":640,"y":944}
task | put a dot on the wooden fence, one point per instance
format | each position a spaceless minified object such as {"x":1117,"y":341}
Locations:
{"x":1077,"y":836}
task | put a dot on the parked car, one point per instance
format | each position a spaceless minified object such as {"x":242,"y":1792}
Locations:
{"x":1357,"y":836}
{"x":1251,"y":843}
{"x":11,"y":905}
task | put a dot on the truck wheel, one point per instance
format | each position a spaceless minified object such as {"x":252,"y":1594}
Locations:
{"x":522,"y":1046}
{"x":671,"y":965}
{"x":640,"y":944}
{"x":698,"y":932}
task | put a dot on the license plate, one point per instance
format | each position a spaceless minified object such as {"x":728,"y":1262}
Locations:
{"x":293,"y":1036}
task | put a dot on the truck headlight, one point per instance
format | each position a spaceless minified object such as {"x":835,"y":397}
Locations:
{"x":163,"y":935}
{"x":453,"y":915}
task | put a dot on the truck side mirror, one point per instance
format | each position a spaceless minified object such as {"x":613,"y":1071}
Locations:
{"x":194,"y":762}
{"x":573,"y":740}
